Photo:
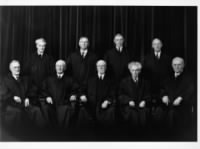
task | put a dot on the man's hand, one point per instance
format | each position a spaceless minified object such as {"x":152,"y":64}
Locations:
{"x":131,"y":103}
{"x":105,"y":104}
{"x":17,"y":99}
{"x":26,"y":102}
{"x":142,"y":104}
{"x":177,"y":101}
{"x":72,"y":98}
{"x":49,"y":100}
{"x":83,"y":98}
{"x":165,"y":100}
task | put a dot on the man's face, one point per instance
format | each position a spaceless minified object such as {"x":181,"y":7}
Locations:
{"x":41,"y":47}
{"x":135,"y":71}
{"x":119,"y":41}
{"x":15,"y":68}
{"x":156,"y":45}
{"x":83,"y":43}
{"x":101,"y":68}
{"x":178,"y":66}
{"x":60,"y":68}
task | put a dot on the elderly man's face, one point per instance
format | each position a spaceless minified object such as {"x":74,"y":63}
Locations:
{"x":60,"y":68}
{"x":101,"y":68}
{"x":15,"y":68}
{"x":83,"y":43}
{"x":156,"y":45}
{"x":178,"y":65}
{"x":135,"y":71}
{"x":119,"y":40}
{"x":41,"y":47}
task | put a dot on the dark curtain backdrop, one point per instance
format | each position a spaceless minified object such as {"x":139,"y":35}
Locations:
{"x":62,"y":26}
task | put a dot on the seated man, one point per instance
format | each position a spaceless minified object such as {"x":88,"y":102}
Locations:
{"x":16,"y":99}
{"x":133,"y":97}
{"x":178,"y":96}
{"x":59,"y":92}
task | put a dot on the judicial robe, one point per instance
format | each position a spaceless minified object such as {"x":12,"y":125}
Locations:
{"x":38,"y":68}
{"x":98,"y":91}
{"x":117,"y":64}
{"x":59,"y":89}
{"x":182,"y":86}
{"x":128,"y":91}
{"x":16,"y":113}
{"x":156,"y":71}
{"x":81,"y":68}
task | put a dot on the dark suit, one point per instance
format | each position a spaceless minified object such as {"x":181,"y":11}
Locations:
{"x":182,"y":86}
{"x":60,"y":90}
{"x":117,"y":64}
{"x":38,"y":68}
{"x":15,"y":112}
{"x":81,"y":68}
{"x":128,"y":91}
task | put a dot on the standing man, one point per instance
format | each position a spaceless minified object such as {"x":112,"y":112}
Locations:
{"x":39,"y":66}
{"x":117,"y":59}
{"x":101,"y":99}
{"x":134,"y":95}
{"x":59,"y":92}
{"x":178,"y":95}
{"x":17,"y":99}
{"x":81,"y":64}
{"x":156,"y":70}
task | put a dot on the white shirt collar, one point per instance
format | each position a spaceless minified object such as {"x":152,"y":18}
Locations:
{"x":60,"y":75}
{"x":84,"y":51}
{"x":177,"y":74}
{"x":101,"y":75}
{"x":119,"y":48}
{"x":15,"y":77}
{"x":157,"y":53}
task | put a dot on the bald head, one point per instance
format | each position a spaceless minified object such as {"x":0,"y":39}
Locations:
{"x":14,"y":67}
{"x":60,"y":66}
{"x":178,"y":64}
{"x":156,"y":44}
{"x":101,"y":66}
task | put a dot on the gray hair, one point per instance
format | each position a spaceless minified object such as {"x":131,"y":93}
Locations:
{"x":101,"y":62}
{"x":61,"y":62}
{"x":12,"y":62}
{"x":137,"y":64}
{"x":39,"y":40}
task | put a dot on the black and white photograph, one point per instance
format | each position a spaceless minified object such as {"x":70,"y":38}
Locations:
{"x":98,"y":73}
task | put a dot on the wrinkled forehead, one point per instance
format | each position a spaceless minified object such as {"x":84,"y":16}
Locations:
{"x":177,"y":61}
{"x":134,"y":67}
{"x":60,"y":63}
{"x":156,"y":41}
{"x":15,"y":64}
{"x":83,"y":39}
{"x":118,"y":37}
{"x":101,"y":63}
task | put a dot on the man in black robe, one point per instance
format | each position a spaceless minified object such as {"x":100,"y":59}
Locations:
{"x":39,"y":66}
{"x":134,"y":95}
{"x":101,"y":100}
{"x":117,"y":59}
{"x":17,"y":100}
{"x":59,"y":92}
{"x":157,"y":68}
{"x":81,"y":63}
{"x":178,"y":96}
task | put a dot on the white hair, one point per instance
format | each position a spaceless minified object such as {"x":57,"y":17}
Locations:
{"x":118,"y":34}
{"x":157,"y":40}
{"x":39,"y":40}
{"x":13,"y":62}
{"x":61,"y":62}
{"x":137,"y":64}
{"x":101,"y":62}
{"x":178,"y":59}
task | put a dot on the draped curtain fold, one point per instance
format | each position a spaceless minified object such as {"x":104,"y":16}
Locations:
{"x":62,"y":26}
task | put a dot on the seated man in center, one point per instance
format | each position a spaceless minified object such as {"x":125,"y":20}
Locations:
{"x":59,"y":91}
{"x":100,"y":98}
{"x":134,"y":95}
